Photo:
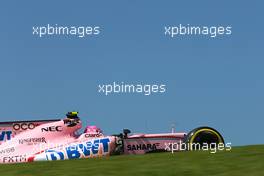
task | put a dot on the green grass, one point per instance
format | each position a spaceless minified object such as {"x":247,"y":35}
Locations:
{"x":247,"y":160}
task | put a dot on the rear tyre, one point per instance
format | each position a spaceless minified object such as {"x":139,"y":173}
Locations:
{"x":201,"y":136}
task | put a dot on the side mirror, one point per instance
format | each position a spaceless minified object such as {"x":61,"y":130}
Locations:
{"x":126,"y":131}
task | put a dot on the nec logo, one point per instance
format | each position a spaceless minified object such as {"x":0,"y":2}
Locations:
{"x":52,"y":129}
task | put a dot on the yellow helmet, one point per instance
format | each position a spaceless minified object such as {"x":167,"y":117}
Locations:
{"x":72,"y":114}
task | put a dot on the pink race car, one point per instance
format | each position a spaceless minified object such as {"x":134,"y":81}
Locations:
{"x":47,"y":140}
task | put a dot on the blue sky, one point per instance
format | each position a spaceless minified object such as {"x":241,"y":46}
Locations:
{"x":216,"y":82}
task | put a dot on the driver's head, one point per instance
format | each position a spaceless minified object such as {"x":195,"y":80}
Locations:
{"x":72,"y":115}
{"x":92,"y":129}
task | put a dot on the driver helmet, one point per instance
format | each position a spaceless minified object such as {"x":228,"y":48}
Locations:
{"x":72,"y":115}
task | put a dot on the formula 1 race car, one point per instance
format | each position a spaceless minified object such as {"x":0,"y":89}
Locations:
{"x":44,"y":140}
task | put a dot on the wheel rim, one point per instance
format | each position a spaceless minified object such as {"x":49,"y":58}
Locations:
{"x":206,"y":137}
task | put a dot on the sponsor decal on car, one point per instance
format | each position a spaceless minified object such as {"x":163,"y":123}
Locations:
{"x":14,"y":159}
{"x":142,"y":146}
{"x":93,"y":135}
{"x":5,"y":135}
{"x":24,"y":126}
{"x":80,"y":150}
{"x":7,"y":150}
{"x":32,"y":140}
{"x":52,"y":129}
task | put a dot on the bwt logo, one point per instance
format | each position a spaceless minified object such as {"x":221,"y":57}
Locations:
{"x":52,"y":129}
{"x":87,"y":149}
{"x":5,"y":135}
